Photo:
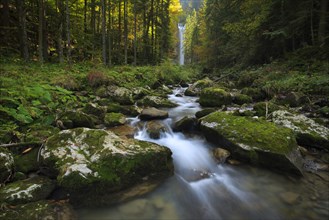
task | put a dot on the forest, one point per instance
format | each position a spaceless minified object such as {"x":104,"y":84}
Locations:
{"x":164,"y":109}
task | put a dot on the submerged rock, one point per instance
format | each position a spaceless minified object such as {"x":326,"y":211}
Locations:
{"x":255,"y":141}
{"x":308,"y":132}
{"x":42,"y":210}
{"x":6,"y":165}
{"x":153,"y":113}
{"x":90,"y":163}
{"x":214,"y":97}
{"x":29,"y":190}
{"x":220,"y":154}
{"x":155,"y":128}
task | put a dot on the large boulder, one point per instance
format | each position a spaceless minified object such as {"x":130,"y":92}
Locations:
{"x":75,"y":119}
{"x":121,"y":95}
{"x":43,"y":210}
{"x":214,"y":97}
{"x":29,"y":190}
{"x":308,"y":132}
{"x":6,"y":165}
{"x":114,"y":119}
{"x":195,"y":88}
{"x":186,"y":124}
{"x":241,"y":99}
{"x":27,"y":162}
{"x":153,"y":113}
{"x":156,"y":101}
{"x":124,"y":109}
{"x":90,"y":164}
{"x":94,"y":109}
{"x":255,"y":141}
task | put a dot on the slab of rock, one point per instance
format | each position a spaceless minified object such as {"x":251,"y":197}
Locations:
{"x":6,"y":165}
{"x":89,"y":163}
{"x":153,"y":113}
{"x":308,"y":132}
{"x":29,"y":190}
{"x":254,"y":140}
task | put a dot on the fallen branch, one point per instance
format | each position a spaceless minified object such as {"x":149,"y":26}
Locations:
{"x":22,"y":144}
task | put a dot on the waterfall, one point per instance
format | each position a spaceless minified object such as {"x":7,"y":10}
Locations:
{"x":181,"y":28}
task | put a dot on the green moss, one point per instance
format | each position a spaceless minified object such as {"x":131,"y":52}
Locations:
{"x":260,"y":108}
{"x":253,"y":133}
{"x":241,"y":99}
{"x":213,"y":96}
{"x":114,"y":119}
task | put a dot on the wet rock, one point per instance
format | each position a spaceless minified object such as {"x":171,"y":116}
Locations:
{"x":214,"y":97}
{"x":309,"y":133}
{"x":156,"y":101}
{"x":254,"y":140}
{"x":114,"y":119}
{"x":179,"y":95}
{"x":220,"y":154}
{"x":43,"y":210}
{"x":153,"y":113}
{"x":155,"y":128}
{"x":197,"y":175}
{"x":27,"y":162}
{"x":124,"y":131}
{"x":233,"y":162}
{"x":289,"y":197}
{"x":186,"y":124}
{"x":195,"y":88}
{"x":29,"y":190}
{"x":121,"y":95}
{"x":6,"y":165}
{"x":184,"y":84}
{"x":94,"y":109}
{"x":75,"y":119}
{"x":204,"y":112}
{"x":89,"y":163}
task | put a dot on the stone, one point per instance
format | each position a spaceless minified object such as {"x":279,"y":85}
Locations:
{"x":28,"y":190}
{"x":255,"y":141}
{"x":214,"y":97}
{"x":241,"y":99}
{"x":94,"y":109}
{"x":308,"y":132}
{"x":114,"y":119}
{"x":124,"y":131}
{"x":90,"y":163}
{"x":220,"y":154}
{"x":204,"y":112}
{"x":41,"y":210}
{"x":156,"y":101}
{"x":140,"y":92}
{"x":155,"y":128}
{"x":153,"y":113}
{"x":27,"y":162}
{"x":6,"y":165}
{"x":186,"y":124}
{"x":75,"y":119}
{"x":120,"y":95}
{"x":289,"y":197}
{"x":131,"y":110}
{"x":195,"y":88}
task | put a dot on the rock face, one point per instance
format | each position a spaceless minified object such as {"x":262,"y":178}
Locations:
{"x":40,"y":210}
{"x":214,"y":97}
{"x":308,"y":132}
{"x":29,"y":190}
{"x":90,"y":163}
{"x":156,"y":101}
{"x":153,"y":113}
{"x":6,"y":165}
{"x":255,"y":141}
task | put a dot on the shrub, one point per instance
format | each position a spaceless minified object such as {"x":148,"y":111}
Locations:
{"x":96,"y":79}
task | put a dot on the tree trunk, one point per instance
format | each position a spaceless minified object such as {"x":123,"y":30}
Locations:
{"x":93,"y":26}
{"x":40,"y":32}
{"x":68,"y":32}
{"x":109,"y":35}
{"x":125,"y":24}
{"x":60,"y":31}
{"x":322,"y":22}
{"x":119,"y":33}
{"x":85,"y":17}
{"x":103,"y":31}
{"x":22,"y":29}
{"x":135,"y":34}
{"x":44,"y":33}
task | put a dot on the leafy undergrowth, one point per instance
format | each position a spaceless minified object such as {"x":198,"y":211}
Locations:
{"x":33,"y":94}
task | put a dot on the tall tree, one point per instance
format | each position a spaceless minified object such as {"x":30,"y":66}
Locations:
{"x":103,"y":31}
{"x":135,"y":33}
{"x":22,"y":29}
{"x":125,"y":24}
{"x":323,"y":22}
{"x":40,"y":31}
{"x":68,"y":32}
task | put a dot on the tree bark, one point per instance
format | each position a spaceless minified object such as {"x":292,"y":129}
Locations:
{"x":322,"y":22}
{"x":93,"y":26}
{"x":109,"y":35}
{"x":135,"y":34}
{"x":22,"y":29}
{"x":60,"y":15}
{"x":40,"y":31}
{"x":103,"y":31}
{"x":68,"y":32}
{"x":125,"y":24}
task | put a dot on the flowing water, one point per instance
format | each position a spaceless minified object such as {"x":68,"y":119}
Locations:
{"x":181,"y":30}
{"x":203,"y":189}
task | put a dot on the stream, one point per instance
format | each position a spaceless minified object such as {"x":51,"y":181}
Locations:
{"x":203,"y":189}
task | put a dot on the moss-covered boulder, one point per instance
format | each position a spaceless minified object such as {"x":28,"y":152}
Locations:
{"x":6,"y":165}
{"x":260,"y":108}
{"x":204,"y":112}
{"x":186,"y":124}
{"x":254,"y":140}
{"x":75,"y":119}
{"x":114,"y":119}
{"x":27,"y":162}
{"x":308,"y":132}
{"x":153,"y":113}
{"x":140,"y":92}
{"x":241,"y":99}
{"x":195,"y":88}
{"x":94,"y":109}
{"x":43,"y":210}
{"x":214,"y":97}
{"x":28,"y":190}
{"x":155,"y":128}
{"x":127,"y":131}
{"x":124,"y":109}
{"x":156,"y":101}
{"x":121,"y":95}
{"x":256,"y":94}
{"x":91,"y":163}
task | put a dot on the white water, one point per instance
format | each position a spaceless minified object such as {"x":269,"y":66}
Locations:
{"x":224,"y":192}
{"x":181,"y":29}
